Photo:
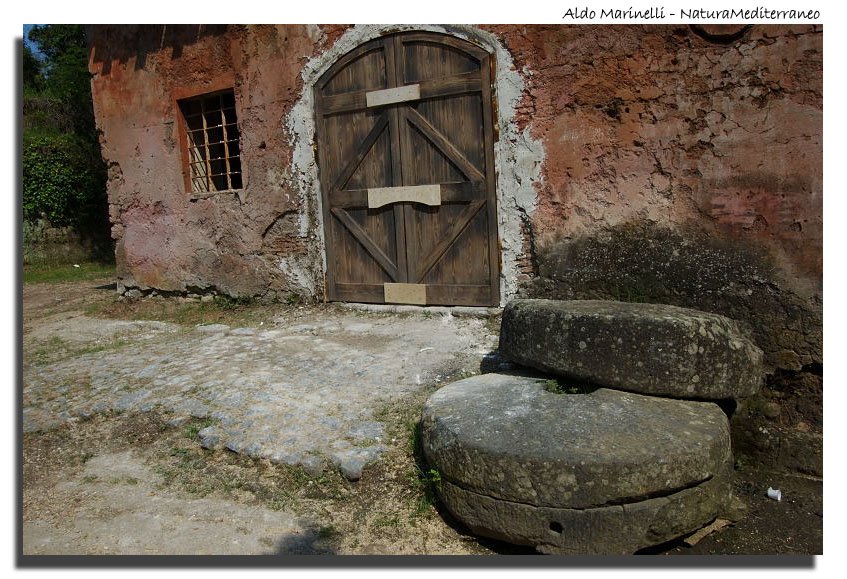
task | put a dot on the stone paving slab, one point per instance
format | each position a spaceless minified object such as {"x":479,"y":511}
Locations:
{"x":301,"y":393}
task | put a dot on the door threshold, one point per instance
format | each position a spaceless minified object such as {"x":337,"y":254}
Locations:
{"x":458,"y":311}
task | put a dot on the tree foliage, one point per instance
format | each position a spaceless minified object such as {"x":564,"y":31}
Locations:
{"x":57,"y":180}
{"x":63,"y":174}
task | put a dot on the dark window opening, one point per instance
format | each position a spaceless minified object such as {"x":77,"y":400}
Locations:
{"x":213,"y":155}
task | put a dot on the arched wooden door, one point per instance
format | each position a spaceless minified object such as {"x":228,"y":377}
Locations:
{"x":406,"y":156}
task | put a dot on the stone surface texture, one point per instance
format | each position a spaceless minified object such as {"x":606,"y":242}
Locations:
{"x":605,"y":472}
{"x":646,"y":348}
{"x":301,"y":392}
{"x":613,"y":530}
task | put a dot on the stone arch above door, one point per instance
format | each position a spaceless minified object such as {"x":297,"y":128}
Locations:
{"x":405,"y":149}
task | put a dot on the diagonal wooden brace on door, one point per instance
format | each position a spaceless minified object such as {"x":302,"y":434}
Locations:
{"x":459,"y":225}
{"x":365,"y":240}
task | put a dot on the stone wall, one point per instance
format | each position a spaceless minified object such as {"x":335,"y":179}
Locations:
{"x":45,"y":244}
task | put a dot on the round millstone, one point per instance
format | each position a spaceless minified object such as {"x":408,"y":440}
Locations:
{"x":603,"y":472}
{"x":646,"y":348}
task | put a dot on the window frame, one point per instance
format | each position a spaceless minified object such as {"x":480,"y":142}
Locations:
{"x":222,"y":85}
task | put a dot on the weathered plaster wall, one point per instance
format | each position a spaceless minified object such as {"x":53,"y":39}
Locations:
{"x":253,"y":243}
{"x":656,"y":123}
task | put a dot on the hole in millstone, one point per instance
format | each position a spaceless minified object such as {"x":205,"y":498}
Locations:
{"x":556,"y":527}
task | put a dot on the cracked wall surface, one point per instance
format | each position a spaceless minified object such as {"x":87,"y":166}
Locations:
{"x":654,"y":123}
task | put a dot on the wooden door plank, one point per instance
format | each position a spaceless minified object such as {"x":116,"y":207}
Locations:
{"x":453,"y":85}
{"x":370,"y":293}
{"x":362,"y":237}
{"x":456,"y":229}
{"x":488,"y":113}
{"x":397,"y":164}
{"x":472,"y":50}
{"x":359,"y":154}
{"x":436,"y":294}
{"x":443,"y":145}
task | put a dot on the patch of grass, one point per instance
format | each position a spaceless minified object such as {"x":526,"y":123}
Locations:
{"x":386,"y":521}
{"x":277,"y":487}
{"x":53,"y":273}
{"x":427,"y":481}
{"x":632,"y":294}
{"x":56,"y":349}
{"x":327,"y":532}
{"x":292,"y":300}
{"x":82,"y":458}
{"x":192,"y":429}
{"x":556,"y":387}
{"x":231,"y":303}
{"x":180,"y":452}
{"x":89,"y":478}
{"x":280,"y":500}
{"x":237,"y":312}
{"x":123,"y":480}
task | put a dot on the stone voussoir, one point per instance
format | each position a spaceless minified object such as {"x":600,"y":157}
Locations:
{"x":620,"y":470}
{"x":646,"y":348}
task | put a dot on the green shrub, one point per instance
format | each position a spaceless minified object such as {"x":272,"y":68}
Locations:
{"x":58,"y":183}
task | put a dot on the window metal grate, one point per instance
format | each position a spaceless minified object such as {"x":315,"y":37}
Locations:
{"x":214,"y":153}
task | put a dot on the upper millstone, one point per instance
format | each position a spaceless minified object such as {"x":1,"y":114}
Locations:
{"x":646,"y":348}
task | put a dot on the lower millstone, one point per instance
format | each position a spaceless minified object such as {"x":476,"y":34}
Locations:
{"x":606,"y":472}
{"x":612,"y":530}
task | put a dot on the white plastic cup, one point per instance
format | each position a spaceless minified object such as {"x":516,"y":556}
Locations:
{"x":775,"y":494}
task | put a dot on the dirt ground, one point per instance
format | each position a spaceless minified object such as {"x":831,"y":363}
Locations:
{"x":132,"y":484}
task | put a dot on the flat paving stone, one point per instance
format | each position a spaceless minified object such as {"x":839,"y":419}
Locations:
{"x":273,"y":391}
{"x":646,"y":348}
{"x":533,"y":467}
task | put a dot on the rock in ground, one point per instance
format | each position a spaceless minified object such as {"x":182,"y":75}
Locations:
{"x":605,"y":472}
{"x":646,"y":348}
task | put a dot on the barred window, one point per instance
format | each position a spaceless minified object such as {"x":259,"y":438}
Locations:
{"x":214,"y":161}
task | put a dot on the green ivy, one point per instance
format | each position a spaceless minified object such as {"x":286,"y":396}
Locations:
{"x":58,"y":182}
